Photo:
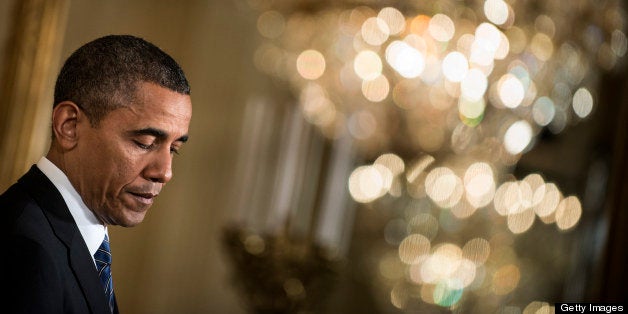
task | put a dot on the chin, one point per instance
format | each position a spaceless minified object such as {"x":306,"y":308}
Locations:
{"x":130,"y":223}
{"x":131,"y":218}
{"x":134,"y":221}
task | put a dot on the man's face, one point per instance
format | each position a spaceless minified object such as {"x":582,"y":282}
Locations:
{"x":123,"y":163}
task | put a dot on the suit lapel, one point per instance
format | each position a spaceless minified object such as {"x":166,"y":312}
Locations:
{"x":64,"y":226}
{"x":81,"y":263}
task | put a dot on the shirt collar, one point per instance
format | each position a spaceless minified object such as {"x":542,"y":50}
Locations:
{"x":92,"y":230}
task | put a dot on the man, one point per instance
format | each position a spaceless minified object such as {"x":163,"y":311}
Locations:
{"x":121,"y":110}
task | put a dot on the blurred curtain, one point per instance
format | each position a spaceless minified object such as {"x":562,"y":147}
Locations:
{"x":30,"y":64}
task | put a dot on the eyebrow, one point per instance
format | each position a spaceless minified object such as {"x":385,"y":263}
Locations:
{"x":159,"y":134}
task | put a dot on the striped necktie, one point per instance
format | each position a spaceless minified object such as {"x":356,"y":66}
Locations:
{"x":103,"y":265}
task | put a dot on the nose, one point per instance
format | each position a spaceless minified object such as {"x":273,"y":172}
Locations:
{"x":159,"y":168}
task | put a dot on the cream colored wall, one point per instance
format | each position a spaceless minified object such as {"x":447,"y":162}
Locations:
{"x":173,"y":262}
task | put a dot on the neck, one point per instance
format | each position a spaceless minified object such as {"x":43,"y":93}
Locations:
{"x":57,"y":158}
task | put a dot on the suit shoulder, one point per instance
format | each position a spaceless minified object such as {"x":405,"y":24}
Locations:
{"x":14,"y":197}
{"x":13,"y":203}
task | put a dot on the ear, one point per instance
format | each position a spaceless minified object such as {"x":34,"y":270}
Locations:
{"x":65,"y":119}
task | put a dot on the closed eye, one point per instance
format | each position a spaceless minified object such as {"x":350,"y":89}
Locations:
{"x":144,"y":146}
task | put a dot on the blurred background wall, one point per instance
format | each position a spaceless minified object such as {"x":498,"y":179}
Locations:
{"x":245,"y":125}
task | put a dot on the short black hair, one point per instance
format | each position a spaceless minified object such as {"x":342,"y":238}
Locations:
{"x":103,"y":74}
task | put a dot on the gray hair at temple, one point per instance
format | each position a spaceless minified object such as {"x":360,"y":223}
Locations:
{"x":103,"y":74}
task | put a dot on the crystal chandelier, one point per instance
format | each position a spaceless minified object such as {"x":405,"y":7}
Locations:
{"x":430,"y":76}
{"x":444,"y":97}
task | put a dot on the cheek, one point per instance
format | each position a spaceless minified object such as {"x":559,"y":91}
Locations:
{"x":127,"y":166}
{"x":115,"y":166}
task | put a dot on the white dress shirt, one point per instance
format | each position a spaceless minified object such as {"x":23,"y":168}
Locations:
{"x":92,"y":230}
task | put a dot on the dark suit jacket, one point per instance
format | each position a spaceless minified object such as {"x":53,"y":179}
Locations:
{"x":46,"y":265}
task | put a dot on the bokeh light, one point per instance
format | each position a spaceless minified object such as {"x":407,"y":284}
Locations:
{"x":582,"y":102}
{"x":311,"y":64}
{"x":367,"y":65}
{"x":441,"y":27}
{"x":367,"y":183}
{"x":474,"y":85}
{"x":479,"y":184}
{"x":496,"y":11}
{"x":455,"y":66}
{"x":511,"y":91}
{"x":393,"y":18}
{"x":518,"y":137}
{"x":375,"y":31}
{"x":543,"y":111}
{"x":443,"y":187}
{"x":376,"y":89}
{"x":271,"y":24}
{"x":568,"y":213}
{"x":406,"y":60}
{"x":506,"y":279}
{"x":414,"y":248}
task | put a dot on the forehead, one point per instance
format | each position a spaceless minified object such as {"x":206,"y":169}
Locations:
{"x":154,"y":107}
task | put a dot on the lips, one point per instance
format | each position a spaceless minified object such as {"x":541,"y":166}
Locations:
{"x":143,"y":198}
